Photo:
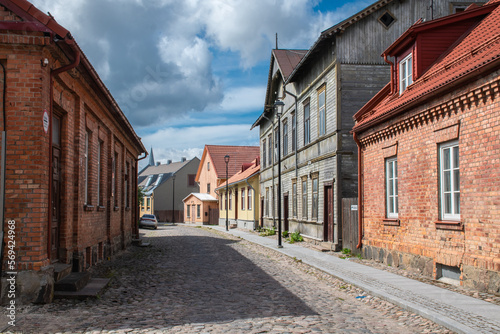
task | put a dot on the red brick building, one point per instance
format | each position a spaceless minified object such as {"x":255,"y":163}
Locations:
{"x":71,"y":154}
{"x":429,"y":147}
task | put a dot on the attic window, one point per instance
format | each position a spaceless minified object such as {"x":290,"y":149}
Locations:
{"x":405,"y":73}
{"x":387,"y":19}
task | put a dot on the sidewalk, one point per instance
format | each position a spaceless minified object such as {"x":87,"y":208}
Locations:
{"x":452,"y":310}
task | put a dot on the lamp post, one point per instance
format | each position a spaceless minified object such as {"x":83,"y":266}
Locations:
{"x":279,"y":104}
{"x":226,"y":160}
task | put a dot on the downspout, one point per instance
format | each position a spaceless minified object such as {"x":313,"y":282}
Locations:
{"x":392,"y":72}
{"x":53,"y":73}
{"x":360,"y":197}
{"x":136,"y":224}
{"x":3,"y":168}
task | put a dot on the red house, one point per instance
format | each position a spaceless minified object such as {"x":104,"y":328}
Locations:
{"x":70,"y":168}
{"x":429,"y":152}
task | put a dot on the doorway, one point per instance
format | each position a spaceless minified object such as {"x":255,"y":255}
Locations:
{"x":328,"y":210}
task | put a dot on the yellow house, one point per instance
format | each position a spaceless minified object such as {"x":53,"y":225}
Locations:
{"x":239,"y":205}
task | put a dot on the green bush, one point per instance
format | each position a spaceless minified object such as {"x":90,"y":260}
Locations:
{"x":285,"y":234}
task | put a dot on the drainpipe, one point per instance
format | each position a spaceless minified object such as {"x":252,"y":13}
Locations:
{"x":3,"y":167}
{"x":392,"y":72}
{"x":136,"y":224}
{"x":360,"y":197}
{"x":68,"y":40}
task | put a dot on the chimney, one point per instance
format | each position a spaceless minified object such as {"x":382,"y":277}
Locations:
{"x":183,"y":159}
{"x":158,"y":163}
{"x":169,"y":162}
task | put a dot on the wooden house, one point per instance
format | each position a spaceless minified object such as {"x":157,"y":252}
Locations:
{"x":321,"y":89}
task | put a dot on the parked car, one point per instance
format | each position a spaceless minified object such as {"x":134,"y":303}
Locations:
{"x":148,"y":221}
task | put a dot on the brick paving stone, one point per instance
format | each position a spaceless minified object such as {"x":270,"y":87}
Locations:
{"x":195,"y":280}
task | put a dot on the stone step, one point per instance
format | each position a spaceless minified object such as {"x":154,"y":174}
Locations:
{"x":93,"y":289}
{"x":61,"y":270}
{"x":73,"y":282}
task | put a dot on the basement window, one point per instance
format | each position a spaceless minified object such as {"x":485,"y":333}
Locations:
{"x":448,"y":274}
{"x":387,"y":19}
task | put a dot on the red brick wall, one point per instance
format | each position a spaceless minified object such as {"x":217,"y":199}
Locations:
{"x":87,"y":233}
{"x":476,"y":120}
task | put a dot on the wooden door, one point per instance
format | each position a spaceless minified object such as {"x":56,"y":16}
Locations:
{"x":262,"y":212}
{"x":350,"y":223}
{"x":286,"y":226}
{"x":56,"y":203}
{"x":328,"y":210}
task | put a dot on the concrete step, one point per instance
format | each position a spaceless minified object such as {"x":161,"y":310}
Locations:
{"x":61,"y":270}
{"x":73,"y":282}
{"x":93,"y":289}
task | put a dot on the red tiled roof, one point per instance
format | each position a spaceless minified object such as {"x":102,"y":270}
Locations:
{"x":245,"y":173}
{"x":238,"y":155}
{"x":474,"y":53}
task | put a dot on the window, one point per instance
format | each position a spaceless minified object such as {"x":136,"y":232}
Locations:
{"x":315,"y":197}
{"x":208,"y":188}
{"x":391,"y":187}
{"x":230,"y":200}
{"x":405,"y":73}
{"x":304,"y":198}
{"x":307,"y":124}
{"x":267,"y":202}
{"x":386,"y":19}
{"x":208,"y":165}
{"x":126,"y":186}
{"x":198,"y":211}
{"x":188,"y":211}
{"x":450,"y":181}
{"x":294,"y":198}
{"x":249,"y":198}
{"x":87,"y":162}
{"x":285,"y":137}
{"x":270,"y":150}
{"x":294,"y":133}
{"x":114,"y":177}
{"x":148,"y":203}
{"x":99,"y":172}
{"x":191,"y":180}
{"x":242,"y":199}
{"x":276,"y":137}
{"x":264,"y":152}
{"x":226,"y":202}
{"x":322,"y":111}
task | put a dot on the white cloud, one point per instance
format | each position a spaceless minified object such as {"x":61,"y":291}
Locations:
{"x":244,"y":98}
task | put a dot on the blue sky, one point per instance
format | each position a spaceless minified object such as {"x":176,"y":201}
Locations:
{"x":192,"y":72}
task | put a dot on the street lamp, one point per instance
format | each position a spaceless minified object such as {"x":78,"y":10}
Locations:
{"x":226,"y":160}
{"x":278,"y":105}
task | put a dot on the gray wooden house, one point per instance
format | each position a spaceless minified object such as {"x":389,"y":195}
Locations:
{"x":322,"y":88}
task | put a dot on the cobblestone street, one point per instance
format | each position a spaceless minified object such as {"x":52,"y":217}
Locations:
{"x":195,"y":280}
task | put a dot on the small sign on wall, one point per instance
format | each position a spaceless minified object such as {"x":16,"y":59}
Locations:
{"x":354,"y":208}
{"x":45,"y":121}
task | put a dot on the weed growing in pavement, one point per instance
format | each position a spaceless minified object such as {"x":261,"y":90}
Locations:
{"x":268,"y":231}
{"x":346,"y":251}
{"x":295,"y":237}
{"x":297,"y":260}
{"x":285,"y":234}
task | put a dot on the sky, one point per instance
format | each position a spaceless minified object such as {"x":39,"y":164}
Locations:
{"x":190,"y":73}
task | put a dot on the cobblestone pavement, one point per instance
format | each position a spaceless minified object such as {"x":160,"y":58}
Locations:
{"x":195,"y":280}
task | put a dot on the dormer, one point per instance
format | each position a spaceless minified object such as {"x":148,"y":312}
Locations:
{"x":424,"y":43}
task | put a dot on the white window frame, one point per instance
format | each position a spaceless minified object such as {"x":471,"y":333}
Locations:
{"x":322,"y":111}
{"x":242,"y":199}
{"x":391,"y":187}
{"x":453,"y":191}
{"x":285,"y":138}
{"x":405,"y":73}
{"x":188,"y":211}
{"x":307,"y":123}
{"x":249,"y":198}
